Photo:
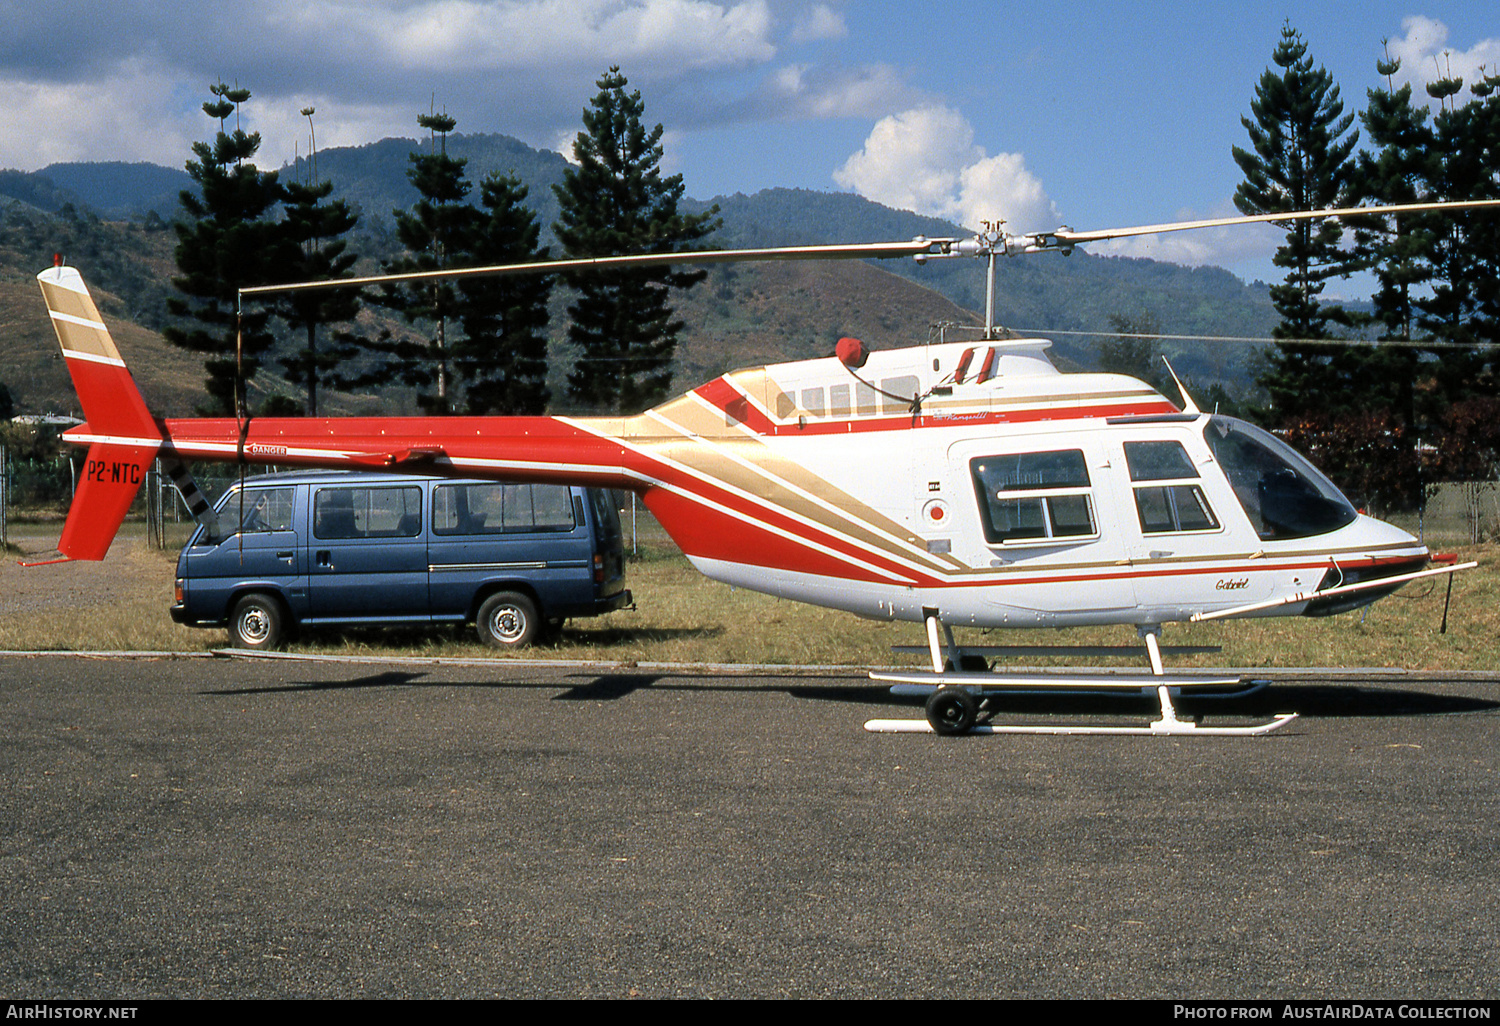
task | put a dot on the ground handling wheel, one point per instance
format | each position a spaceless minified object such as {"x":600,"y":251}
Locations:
{"x":952,"y":710}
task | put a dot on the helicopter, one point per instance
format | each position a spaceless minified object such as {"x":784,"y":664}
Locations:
{"x":963,"y":482}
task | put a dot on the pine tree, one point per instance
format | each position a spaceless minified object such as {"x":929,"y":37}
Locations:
{"x":1391,"y":248}
{"x":438,"y":233}
{"x":228,"y":241}
{"x":1299,"y":160}
{"x":1463,"y":252}
{"x":315,"y":228}
{"x":617,"y":202}
{"x":502,"y":355}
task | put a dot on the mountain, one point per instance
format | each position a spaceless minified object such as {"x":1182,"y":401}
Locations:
{"x":742,"y":315}
{"x":372,"y":178}
{"x":112,"y":189}
{"x":1047,"y":294}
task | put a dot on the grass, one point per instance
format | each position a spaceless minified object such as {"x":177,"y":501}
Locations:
{"x":122,"y":603}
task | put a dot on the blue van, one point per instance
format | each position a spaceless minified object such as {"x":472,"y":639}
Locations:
{"x":344,"y":549}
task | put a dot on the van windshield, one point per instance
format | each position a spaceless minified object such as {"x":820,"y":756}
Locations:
{"x":263,"y":510}
{"x":1284,"y":495}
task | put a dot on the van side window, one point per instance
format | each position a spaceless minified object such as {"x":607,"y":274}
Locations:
{"x":1034,"y":495}
{"x":345,"y":513}
{"x":266,"y":509}
{"x":501,"y":508}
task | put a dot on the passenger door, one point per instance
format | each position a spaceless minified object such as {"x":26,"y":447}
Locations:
{"x":367,"y":553}
{"x":1189,"y":543}
{"x":491,"y":533}
{"x":1041,"y":515}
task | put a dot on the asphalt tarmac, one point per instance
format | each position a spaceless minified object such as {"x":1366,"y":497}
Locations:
{"x":235,"y":828}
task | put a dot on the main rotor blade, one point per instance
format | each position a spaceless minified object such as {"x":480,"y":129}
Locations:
{"x":992,"y":244}
{"x":853,"y":251}
{"x":1067,"y":236}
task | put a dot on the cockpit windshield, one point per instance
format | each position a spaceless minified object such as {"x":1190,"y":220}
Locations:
{"x":1284,"y":495}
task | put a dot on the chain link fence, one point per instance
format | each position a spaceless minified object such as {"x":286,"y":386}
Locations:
{"x":38,"y":490}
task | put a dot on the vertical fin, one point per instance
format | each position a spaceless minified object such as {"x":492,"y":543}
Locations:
{"x":122,"y":435}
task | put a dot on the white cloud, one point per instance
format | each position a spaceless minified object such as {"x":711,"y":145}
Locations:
{"x":798,"y":91}
{"x":1426,"y":57}
{"x":818,"y":23}
{"x":524,"y":67}
{"x":127,"y":116}
{"x":925,"y":160}
{"x":547,"y":35}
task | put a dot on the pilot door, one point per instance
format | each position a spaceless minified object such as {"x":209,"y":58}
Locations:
{"x":1037,"y":521}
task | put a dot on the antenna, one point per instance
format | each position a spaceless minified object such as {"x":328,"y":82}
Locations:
{"x":1188,"y":406}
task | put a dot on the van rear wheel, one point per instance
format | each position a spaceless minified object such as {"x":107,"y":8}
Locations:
{"x":257,"y":622}
{"x":508,"y":619}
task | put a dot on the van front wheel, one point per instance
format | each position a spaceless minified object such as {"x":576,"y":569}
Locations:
{"x":508,"y":619}
{"x":257,"y":622}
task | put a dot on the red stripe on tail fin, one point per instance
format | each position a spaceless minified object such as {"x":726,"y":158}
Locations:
{"x":123,"y":433}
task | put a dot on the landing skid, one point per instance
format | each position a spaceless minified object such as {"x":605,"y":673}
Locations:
{"x":1157,"y":728}
{"x":961,"y":703}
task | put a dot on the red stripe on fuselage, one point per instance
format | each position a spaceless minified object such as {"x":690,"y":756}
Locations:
{"x":710,"y":533}
{"x":707,"y":518}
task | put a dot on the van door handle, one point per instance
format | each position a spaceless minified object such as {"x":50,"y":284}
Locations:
{"x":286,"y":556}
{"x":325,"y":558}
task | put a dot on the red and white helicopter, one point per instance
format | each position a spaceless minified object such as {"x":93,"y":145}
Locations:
{"x":954,"y":483}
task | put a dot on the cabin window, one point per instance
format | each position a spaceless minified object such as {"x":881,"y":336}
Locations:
{"x":899,"y":394}
{"x":1167,"y":508}
{"x":1158,"y":461}
{"x":812,"y":401}
{"x":838,"y":400}
{"x":343,"y":513}
{"x":1283,"y":495}
{"x":1174,"y":509}
{"x":1038,"y":495}
{"x":868,"y":399}
{"x":501,"y":508}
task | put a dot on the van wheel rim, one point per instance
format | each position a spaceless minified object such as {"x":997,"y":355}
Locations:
{"x":508,"y":623}
{"x":253,"y":625}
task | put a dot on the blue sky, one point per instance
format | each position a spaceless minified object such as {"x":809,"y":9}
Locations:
{"x":1094,"y":115}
